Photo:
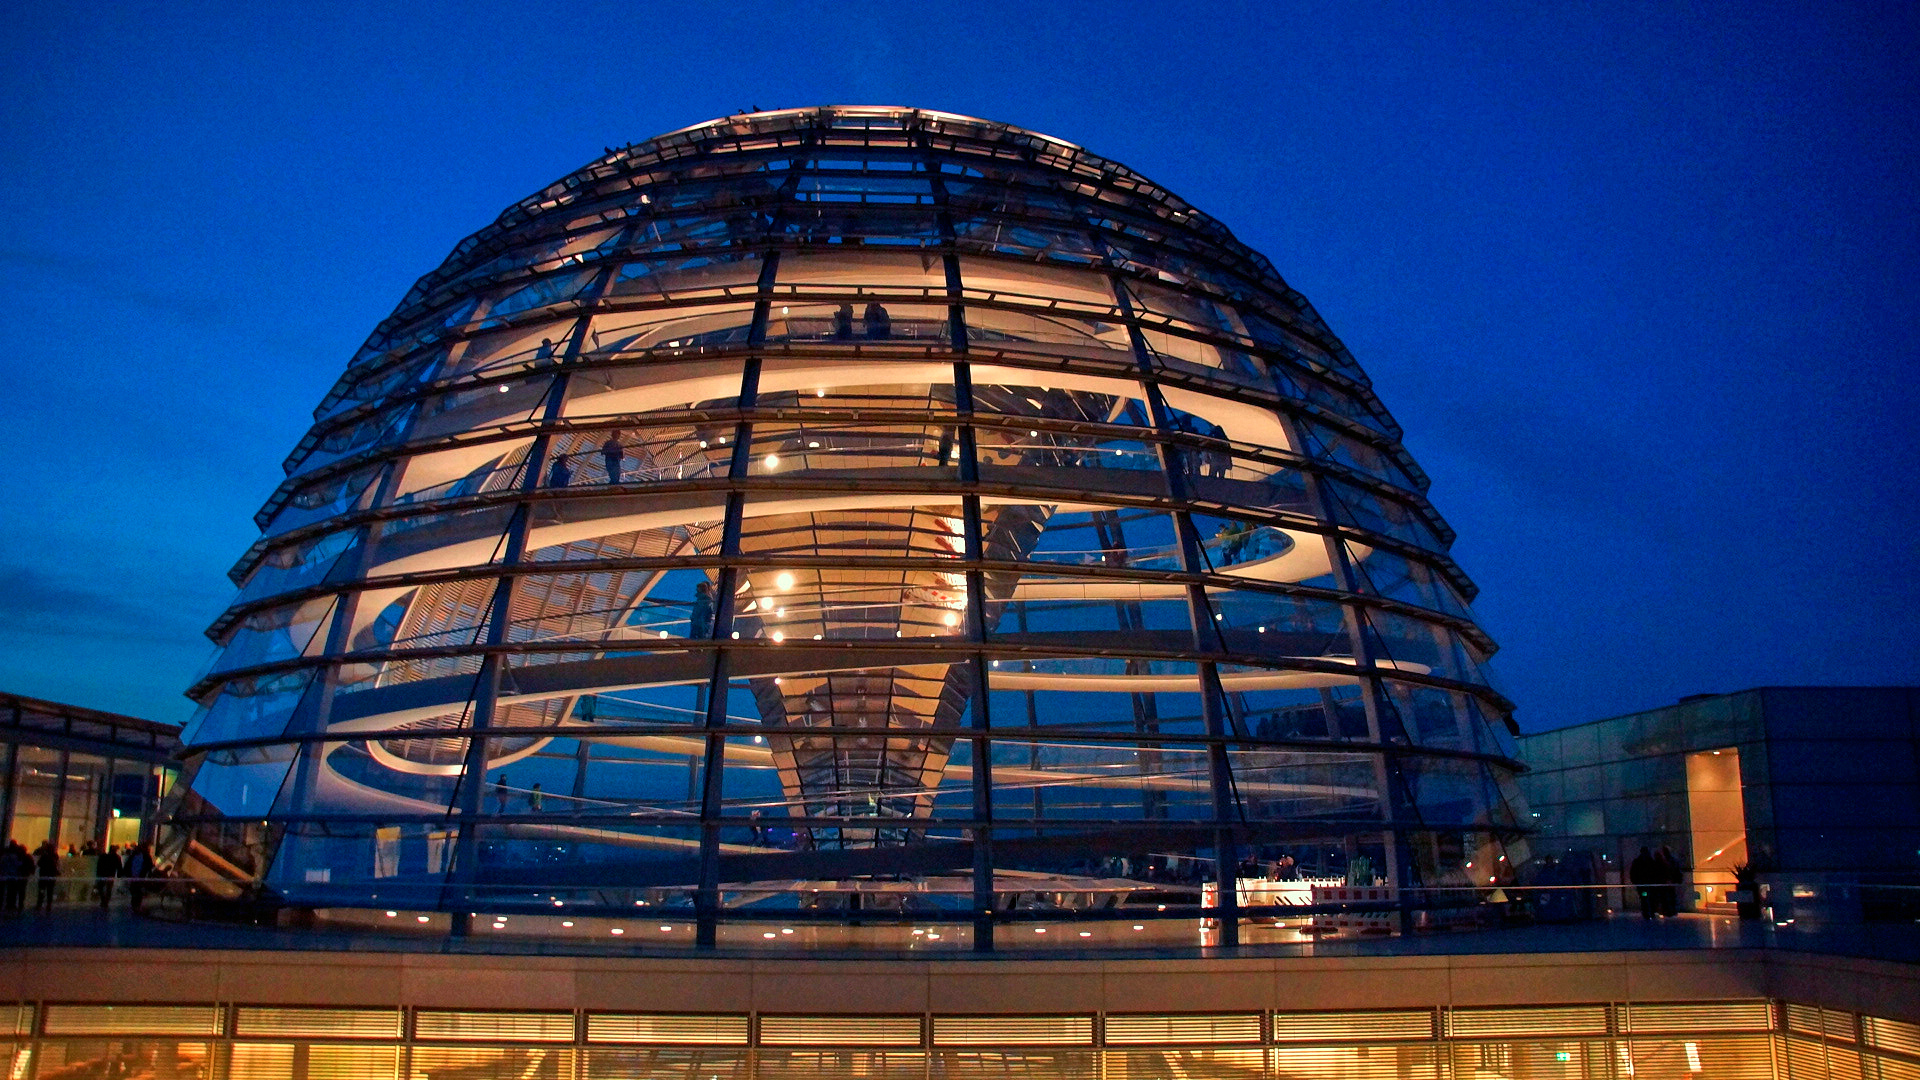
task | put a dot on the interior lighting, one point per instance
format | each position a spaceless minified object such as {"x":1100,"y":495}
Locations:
{"x":784,"y":580}
{"x":391,"y":914}
{"x":568,"y":922}
{"x":768,"y":934}
{"x":559,"y":903}
{"x":786,"y":929}
{"x":1137,"y":926}
{"x":783,"y":309}
{"x":421,"y":918}
{"x":503,"y":389}
{"x":616,"y":931}
{"x":666,"y":929}
{"x":773,"y":461}
{"x":951,"y":619}
{"x":1039,"y":929}
{"x":780,"y":613}
{"x":778,"y":637}
{"x":813,"y":444}
{"x":819,"y":393}
{"x":1086,"y":933}
{"x":663,"y":633}
{"x":736,"y":635}
{"x":758,"y":739}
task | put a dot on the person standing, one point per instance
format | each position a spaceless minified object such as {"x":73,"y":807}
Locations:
{"x":1670,"y":878}
{"x":16,"y":866}
{"x":843,"y":323}
{"x":535,"y":800}
{"x":500,"y":794}
{"x":700,"y":619}
{"x":139,"y":867}
{"x":614,"y":453}
{"x":1643,"y":873}
{"x":879,"y":323}
{"x":561,"y":474}
{"x":105,"y":870}
{"x":46,"y":863}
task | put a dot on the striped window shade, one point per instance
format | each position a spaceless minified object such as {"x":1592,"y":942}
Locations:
{"x":133,"y":1020}
{"x":1013,"y":1031}
{"x":1895,"y":1035}
{"x":1124,"y":1028}
{"x":1353,"y":1026}
{"x":493,"y":1026}
{"x":1704,"y":1016}
{"x":668,"y":1028}
{"x":1813,"y":1020}
{"x":840,"y":1031}
{"x":262,"y":1021}
{"x":1530,"y":1020}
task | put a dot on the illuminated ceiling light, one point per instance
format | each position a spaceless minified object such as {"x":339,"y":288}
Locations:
{"x":503,"y":389}
{"x":772,"y":461}
{"x":568,"y":922}
{"x":780,"y":613}
{"x":391,"y":914}
{"x":813,"y":444}
{"x":616,"y":931}
{"x":666,"y":929}
{"x":778,"y":637}
{"x":420,"y":918}
{"x":951,"y":619}
{"x":663,"y":633}
{"x":819,"y":393}
{"x":769,"y":935}
{"x":784,"y":580}
{"x":783,"y":309}
{"x":786,"y":929}
{"x":759,"y":739}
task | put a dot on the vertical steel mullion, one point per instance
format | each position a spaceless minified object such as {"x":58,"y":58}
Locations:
{"x":486,"y":691}
{"x":10,"y":794}
{"x":973,"y":544}
{"x":1399,"y":857}
{"x":706,"y":902}
{"x":1207,"y":639}
{"x":58,"y":808}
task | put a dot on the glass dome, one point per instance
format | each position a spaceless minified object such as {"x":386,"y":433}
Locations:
{"x":846,"y":515}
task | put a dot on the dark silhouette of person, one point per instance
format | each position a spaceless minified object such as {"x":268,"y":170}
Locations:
{"x":544,"y":354}
{"x":105,"y":869}
{"x":1643,"y":874}
{"x":561,"y":474}
{"x":843,"y":323}
{"x":46,"y":862}
{"x":535,"y":801}
{"x":700,"y":620}
{"x":500,"y":794}
{"x":1670,"y":878}
{"x":17,"y":864}
{"x":139,"y":869}
{"x":879,"y":323}
{"x":614,"y":452}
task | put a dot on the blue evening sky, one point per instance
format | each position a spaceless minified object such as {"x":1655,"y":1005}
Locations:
{"x":1638,"y":279}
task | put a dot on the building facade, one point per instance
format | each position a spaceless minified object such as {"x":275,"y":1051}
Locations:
{"x":838,"y":512}
{"x":1805,"y":784}
{"x":81,"y":776}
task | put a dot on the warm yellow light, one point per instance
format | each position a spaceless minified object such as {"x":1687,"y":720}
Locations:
{"x":773,"y":461}
{"x":785,"y":580}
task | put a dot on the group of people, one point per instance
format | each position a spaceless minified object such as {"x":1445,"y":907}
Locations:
{"x":879,"y":325}
{"x":87,"y":869}
{"x":1656,"y":877}
{"x":613,"y":455}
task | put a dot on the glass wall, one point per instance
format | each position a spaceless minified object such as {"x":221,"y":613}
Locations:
{"x":1752,"y":1039}
{"x":868,"y":521}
